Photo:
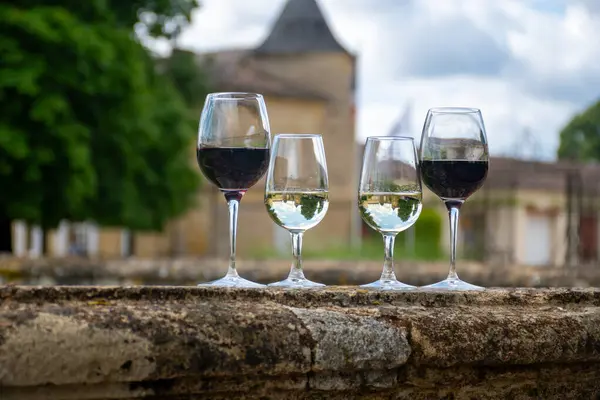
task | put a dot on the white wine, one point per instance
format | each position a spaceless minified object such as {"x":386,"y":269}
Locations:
{"x":297,"y":211}
{"x":390,"y":212}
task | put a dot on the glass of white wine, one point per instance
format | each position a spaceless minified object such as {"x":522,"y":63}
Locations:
{"x":297,"y":194}
{"x":389,"y":197}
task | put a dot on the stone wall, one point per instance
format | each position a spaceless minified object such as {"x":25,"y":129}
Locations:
{"x":192,"y":343}
{"x":71,"y":271}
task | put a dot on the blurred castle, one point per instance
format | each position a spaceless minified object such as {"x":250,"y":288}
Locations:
{"x":527,"y":212}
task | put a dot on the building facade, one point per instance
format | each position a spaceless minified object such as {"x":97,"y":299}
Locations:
{"x":535,"y":213}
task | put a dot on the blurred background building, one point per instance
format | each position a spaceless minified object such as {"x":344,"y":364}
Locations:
{"x":530,"y":211}
{"x":308,"y":80}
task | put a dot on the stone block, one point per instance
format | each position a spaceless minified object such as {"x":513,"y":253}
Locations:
{"x":333,"y":343}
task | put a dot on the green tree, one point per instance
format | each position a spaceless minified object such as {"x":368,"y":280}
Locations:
{"x":147,"y":175}
{"x":156,"y":18}
{"x":312,"y":204}
{"x":407,"y":207}
{"x":580,"y":138}
{"x":190,"y":81}
{"x":427,"y":235}
{"x":89,"y":129}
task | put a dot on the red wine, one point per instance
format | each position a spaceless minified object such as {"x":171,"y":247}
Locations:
{"x":233,"y":168}
{"x":453,"y":179}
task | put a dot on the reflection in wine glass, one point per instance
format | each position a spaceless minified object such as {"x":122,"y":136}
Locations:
{"x":389,"y":197}
{"x":297,"y":194}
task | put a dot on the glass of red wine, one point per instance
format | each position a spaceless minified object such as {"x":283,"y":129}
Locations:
{"x":454,"y":165}
{"x":233,"y":154}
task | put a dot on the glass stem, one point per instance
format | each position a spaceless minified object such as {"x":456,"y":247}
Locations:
{"x":233,"y":219}
{"x":296,"y":271}
{"x":453,"y":214}
{"x":388,"y":261}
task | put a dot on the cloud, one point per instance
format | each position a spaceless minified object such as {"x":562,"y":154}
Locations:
{"x":223,"y":24}
{"x":451,"y":47}
{"x":592,"y":6}
{"x":556,"y":56}
{"x":528,"y":64}
{"x":507,"y":112}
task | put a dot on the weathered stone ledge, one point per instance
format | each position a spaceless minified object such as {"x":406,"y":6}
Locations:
{"x":189,"y":271}
{"x":335,"y":343}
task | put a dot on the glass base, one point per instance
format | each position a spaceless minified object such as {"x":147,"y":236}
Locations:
{"x":452,"y":284}
{"x":388,"y":284}
{"x":296,"y":283}
{"x":232,"y":281}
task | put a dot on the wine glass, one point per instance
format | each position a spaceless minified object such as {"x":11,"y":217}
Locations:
{"x":389,"y":197}
{"x":233,"y":154}
{"x":297,"y":194}
{"x":454,"y":164}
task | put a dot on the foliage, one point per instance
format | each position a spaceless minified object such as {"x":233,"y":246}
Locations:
{"x":407,"y":207}
{"x":50,"y":59}
{"x":311,"y":204}
{"x":89,"y":129}
{"x":428,"y":228}
{"x":182,"y":69}
{"x":580,"y":138}
{"x":428,"y":232}
{"x":370,"y":249}
{"x":159,"y":18}
{"x":148,"y":177}
{"x":156,"y":18}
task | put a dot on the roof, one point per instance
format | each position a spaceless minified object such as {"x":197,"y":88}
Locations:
{"x":511,"y":174}
{"x":300,"y":28}
{"x":235,"y":70}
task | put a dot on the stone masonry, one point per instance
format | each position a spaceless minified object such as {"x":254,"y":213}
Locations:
{"x":334,"y":343}
{"x":184,"y":272}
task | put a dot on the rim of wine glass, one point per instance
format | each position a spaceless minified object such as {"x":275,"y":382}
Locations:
{"x":390,"y":138}
{"x":454,"y":110}
{"x":298,"y":135}
{"x":234,"y":95}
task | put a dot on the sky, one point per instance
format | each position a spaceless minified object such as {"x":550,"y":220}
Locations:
{"x":529,"y":65}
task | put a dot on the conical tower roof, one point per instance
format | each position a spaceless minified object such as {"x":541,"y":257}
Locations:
{"x":301,"y":28}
